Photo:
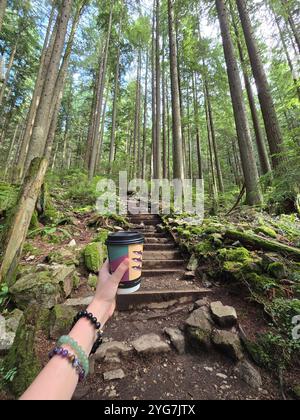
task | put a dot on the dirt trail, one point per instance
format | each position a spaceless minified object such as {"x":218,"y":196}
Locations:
{"x":166,"y":300}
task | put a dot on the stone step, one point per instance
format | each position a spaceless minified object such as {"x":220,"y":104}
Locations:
{"x":153,"y":234}
{"x":179,"y":263}
{"x":166,"y":272}
{"x":145,"y":222}
{"x":144,"y":216}
{"x":162,"y":255}
{"x":160,"y":240}
{"x":160,"y":247}
{"x":127,"y":302}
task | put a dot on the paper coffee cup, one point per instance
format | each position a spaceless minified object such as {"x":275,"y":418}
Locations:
{"x":122,"y":245}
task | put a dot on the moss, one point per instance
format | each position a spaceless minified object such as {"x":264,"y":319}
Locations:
{"x":61,"y":320}
{"x":233,"y":266}
{"x":30,"y":249}
{"x":296,"y":392}
{"x":266,"y":230}
{"x":92,"y":281}
{"x":198,"y":339}
{"x":76,"y":281}
{"x":260,"y":283}
{"x":235,"y":254}
{"x":94,"y":255}
{"x":204,"y":247}
{"x":64,"y":256}
{"x":22,"y":356}
{"x":277,"y":270}
{"x":102,"y":236}
{"x":34,"y":224}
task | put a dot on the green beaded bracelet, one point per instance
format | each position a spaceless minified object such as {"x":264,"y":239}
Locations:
{"x":66,"y":340}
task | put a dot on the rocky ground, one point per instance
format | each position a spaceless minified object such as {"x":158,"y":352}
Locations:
{"x":184,"y":335}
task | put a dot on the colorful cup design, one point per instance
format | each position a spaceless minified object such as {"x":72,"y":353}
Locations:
{"x":122,"y":245}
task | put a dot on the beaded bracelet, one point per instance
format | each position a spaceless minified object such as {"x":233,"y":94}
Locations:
{"x":66,"y":340}
{"x":60,"y":351}
{"x":90,"y":316}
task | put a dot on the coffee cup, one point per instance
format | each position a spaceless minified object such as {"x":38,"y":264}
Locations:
{"x":122,"y":245}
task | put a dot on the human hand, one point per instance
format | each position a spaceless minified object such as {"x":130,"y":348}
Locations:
{"x":105,"y":296}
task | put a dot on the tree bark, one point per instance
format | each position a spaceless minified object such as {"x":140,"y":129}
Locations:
{"x":7,"y":74}
{"x":291,"y":22}
{"x":213,"y":138}
{"x":2,"y":11}
{"x":157,"y":161}
{"x":261,"y":146}
{"x":99,"y":99}
{"x":178,"y":172}
{"x":197,"y":128}
{"x":254,"y":195}
{"x":264,"y":94}
{"x":144,"y":164}
{"x":154,"y":114}
{"x":10,"y":151}
{"x":17,"y":231}
{"x":115,"y":103}
{"x":44,"y":63}
{"x":99,"y":151}
{"x":41,"y":126}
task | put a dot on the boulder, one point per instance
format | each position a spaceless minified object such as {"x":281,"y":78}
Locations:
{"x":201,"y":302}
{"x":198,"y":329}
{"x":112,"y":348}
{"x":177,"y":339}
{"x":65,"y":256}
{"x":229,"y":343}
{"x":193,"y":263}
{"x":79,"y":303}
{"x":94,"y":255}
{"x":22,"y":354}
{"x":13,"y":320}
{"x":6,"y":337}
{"x":46,"y":286}
{"x":150,"y":344}
{"x":114,"y":374}
{"x":61,"y":320}
{"x":249,"y":374}
{"x":224,"y":316}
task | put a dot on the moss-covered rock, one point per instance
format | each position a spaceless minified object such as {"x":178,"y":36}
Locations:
{"x":76,"y":281}
{"x":61,"y":320}
{"x":67,"y":256}
{"x":34,"y":224}
{"x":94,"y":255}
{"x":46,"y":286}
{"x":102,"y":236}
{"x":92,"y":281}
{"x":266,"y":230}
{"x":296,"y":392}
{"x":22,"y":356}
{"x":239,"y":254}
{"x":260,"y":283}
{"x":277,"y":270}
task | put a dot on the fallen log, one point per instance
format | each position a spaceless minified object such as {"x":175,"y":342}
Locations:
{"x":258,"y":242}
{"x":19,"y":222}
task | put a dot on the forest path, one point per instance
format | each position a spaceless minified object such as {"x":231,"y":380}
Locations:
{"x":158,"y":371}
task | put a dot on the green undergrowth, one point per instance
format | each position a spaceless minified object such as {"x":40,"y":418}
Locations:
{"x":269,"y":279}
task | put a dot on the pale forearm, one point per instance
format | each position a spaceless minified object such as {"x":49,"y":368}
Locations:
{"x":58,"y":380}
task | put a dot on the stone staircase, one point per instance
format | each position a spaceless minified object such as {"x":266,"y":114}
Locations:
{"x":164,"y":268}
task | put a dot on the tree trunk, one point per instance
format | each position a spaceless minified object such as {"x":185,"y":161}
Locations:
{"x":115,"y":103}
{"x":144,"y":164}
{"x":7,"y":74}
{"x":60,"y":84}
{"x":214,"y":186}
{"x":157,"y":161}
{"x":197,"y":128}
{"x":291,"y":22}
{"x":99,"y":99}
{"x":178,"y":172}
{"x":254,"y":195}
{"x":17,"y":231}
{"x":41,"y":126}
{"x":264,"y":94}
{"x":213,"y":138}
{"x":164,"y":119}
{"x":261,"y":146}
{"x":2,"y":11}
{"x":99,"y":151}
{"x":44,"y":63}
{"x":10,"y":152}
{"x":153,"y":58}
{"x":137,"y":119}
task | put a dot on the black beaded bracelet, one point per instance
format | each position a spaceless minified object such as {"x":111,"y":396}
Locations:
{"x":88,"y":315}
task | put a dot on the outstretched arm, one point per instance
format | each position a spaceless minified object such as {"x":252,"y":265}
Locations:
{"x":58,"y":380}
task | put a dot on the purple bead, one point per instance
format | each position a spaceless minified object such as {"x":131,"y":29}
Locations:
{"x":60,"y":351}
{"x":56,"y":350}
{"x":51,"y":354}
{"x":65,"y":353}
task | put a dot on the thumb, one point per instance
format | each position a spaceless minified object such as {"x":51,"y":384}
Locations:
{"x":120,"y":271}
